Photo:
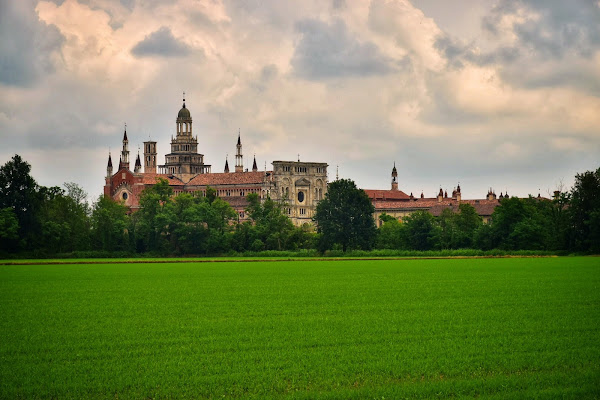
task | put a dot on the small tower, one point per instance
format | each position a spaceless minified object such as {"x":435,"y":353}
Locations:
{"x":440,"y":196}
{"x":138,"y":164}
{"x":254,"y":166}
{"x":239,"y":158}
{"x":124,"y":163}
{"x":458,"y":195}
{"x":109,"y":167}
{"x":150,"y":157}
{"x":226,"y":166}
{"x":394,"y":178}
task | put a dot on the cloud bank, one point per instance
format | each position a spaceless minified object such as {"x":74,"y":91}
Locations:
{"x":508,"y":96}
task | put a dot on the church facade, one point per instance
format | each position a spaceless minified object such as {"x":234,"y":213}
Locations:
{"x":298,"y":185}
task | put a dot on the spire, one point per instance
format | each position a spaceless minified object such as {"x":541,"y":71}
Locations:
{"x":183,"y":106}
{"x":422,"y":195}
{"x":138,"y":163}
{"x":109,"y":166}
{"x":254,"y":166}
{"x":239,"y":158}
{"x":226,"y":165}
{"x":124,"y":162}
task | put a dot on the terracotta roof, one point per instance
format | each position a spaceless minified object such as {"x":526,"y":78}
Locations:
{"x":386,"y":194}
{"x":483,"y":207}
{"x":231,"y":178}
{"x":150,"y":179}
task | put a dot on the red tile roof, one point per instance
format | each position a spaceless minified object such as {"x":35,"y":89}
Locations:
{"x":151,"y":179}
{"x":386,"y":194}
{"x":483,"y":207}
{"x":231,"y":178}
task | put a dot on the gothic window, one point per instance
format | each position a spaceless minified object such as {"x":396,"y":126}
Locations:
{"x":300,"y":197}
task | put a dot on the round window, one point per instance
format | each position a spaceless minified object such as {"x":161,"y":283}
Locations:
{"x":300,"y":197}
{"x":124,"y":196}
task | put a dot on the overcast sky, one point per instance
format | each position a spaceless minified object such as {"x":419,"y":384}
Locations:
{"x":502,"y":94}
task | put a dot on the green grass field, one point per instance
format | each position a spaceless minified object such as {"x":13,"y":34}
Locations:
{"x":490,"y":328}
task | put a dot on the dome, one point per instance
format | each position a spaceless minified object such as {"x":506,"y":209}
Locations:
{"x":184,"y":113}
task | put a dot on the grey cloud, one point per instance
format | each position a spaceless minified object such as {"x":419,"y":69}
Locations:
{"x":327,"y":51}
{"x":457,"y":52}
{"x":161,"y":43}
{"x":564,"y":27}
{"x":26,"y":44}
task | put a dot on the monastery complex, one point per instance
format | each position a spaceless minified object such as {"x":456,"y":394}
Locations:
{"x":299,"y":185}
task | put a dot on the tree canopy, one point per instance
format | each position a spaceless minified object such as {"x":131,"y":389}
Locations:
{"x":345,"y":217}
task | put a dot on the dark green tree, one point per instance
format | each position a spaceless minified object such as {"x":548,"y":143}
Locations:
{"x":584,"y":211}
{"x":521,"y":224}
{"x":422,"y":231}
{"x":392,"y":234}
{"x":9,"y":230}
{"x":154,"y":222}
{"x":272,"y":227}
{"x":19,"y":191}
{"x":466,"y":221}
{"x":109,"y":225}
{"x":345,"y":217}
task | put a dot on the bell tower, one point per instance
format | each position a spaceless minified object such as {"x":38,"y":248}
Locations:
{"x":239,"y":158}
{"x":150,"y":157}
{"x":394,"y":177}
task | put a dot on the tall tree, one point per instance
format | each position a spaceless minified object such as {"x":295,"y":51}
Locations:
{"x":272,"y":227}
{"x":109,"y":224}
{"x":585,"y":211}
{"x":423,"y":233}
{"x":345,"y":217}
{"x":19,"y":191}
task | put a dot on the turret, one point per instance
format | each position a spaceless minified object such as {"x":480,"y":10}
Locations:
{"x":226,"y":165}
{"x":109,"y":167}
{"x":394,"y":177}
{"x":138,"y":164}
{"x":239,"y":159}
{"x":254,"y":166}
{"x":124,"y":163}
{"x":440,"y":195}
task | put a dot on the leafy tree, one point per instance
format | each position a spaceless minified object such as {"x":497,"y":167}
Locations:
{"x":9,"y":229}
{"x":153,"y":220}
{"x":109,"y":223}
{"x":521,"y":224}
{"x":422,"y":231}
{"x":19,"y":191}
{"x":466,"y":221}
{"x":272,"y":227}
{"x":585,"y":211}
{"x":392,"y":234}
{"x":345,"y":217}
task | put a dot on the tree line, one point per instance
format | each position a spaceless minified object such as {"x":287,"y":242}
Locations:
{"x":42,"y":221}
